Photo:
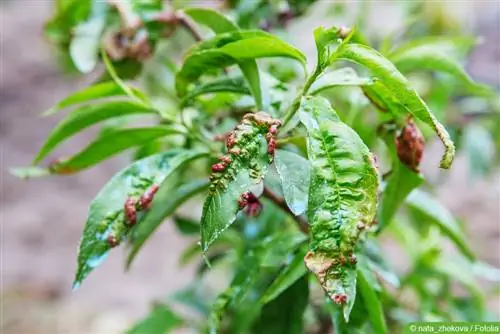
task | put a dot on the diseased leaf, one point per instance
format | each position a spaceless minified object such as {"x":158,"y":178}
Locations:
{"x":345,"y":76}
{"x":244,"y":165}
{"x":287,"y":277}
{"x":342,"y":199}
{"x":212,"y":19}
{"x":83,"y":117}
{"x":295,"y":176}
{"x":160,"y":320}
{"x":229,"y":49}
{"x":107,"y":225}
{"x":231,"y":85}
{"x":96,"y":91}
{"x":109,"y":144}
{"x":437,"y":214}
{"x":168,"y":198}
{"x":285,"y":314}
{"x":371,"y":299}
{"x":388,"y":74}
{"x":323,"y":37}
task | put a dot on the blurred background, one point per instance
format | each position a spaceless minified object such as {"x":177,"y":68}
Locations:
{"x":42,"y":219}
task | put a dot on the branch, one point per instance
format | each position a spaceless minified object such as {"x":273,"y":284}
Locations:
{"x":279,"y":201}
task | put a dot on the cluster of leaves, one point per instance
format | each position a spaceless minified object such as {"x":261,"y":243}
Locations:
{"x":294,"y":202}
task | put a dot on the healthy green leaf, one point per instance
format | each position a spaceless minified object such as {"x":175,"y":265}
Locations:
{"x":285,"y":314}
{"x":345,"y":76}
{"x":160,"y":320}
{"x":106,"y":218}
{"x":371,"y":299}
{"x":454,"y":47}
{"x":109,"y":144}
{"x":212,"y":19}
{"x":437,"y":214}
{"x":295,"y":176}
{"x":342,"y":198}
{"x":231,"y":85}
{"x":287,"y":277}
{"x":236,"y":48}
{"x":83,"y":117}
{"x":250,"y":70}
{"x":186,"y":226}
{"x":166,"y":201}
{"x":388,"y":74}
{"x":247,"y":163}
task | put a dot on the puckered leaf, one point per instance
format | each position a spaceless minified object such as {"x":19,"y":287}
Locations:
{"x":342,"y":198}
{"x":244,"y":165}
{"x":160,"y":320}
{"x":295,"y":176}
{"x":109,"y":144}
{"x":437,"y":214}
{"x":399,"y":86}
{"x":83,"y":117}
{"x":106,"y":224}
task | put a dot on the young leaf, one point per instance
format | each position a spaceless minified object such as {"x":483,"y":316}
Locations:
{"x":388,"y":74}
{"x":437,"y":214}
{"x":212,"y":19}
{"x":160,"y":320}
{"x":83,"y":117}
{"x":96,"y":91}
{"x":295,"y":176}
{"x":345,"y":76}
{"x":342,"y":199}
{"x":231,"y":85}
{"x":109,"y":144}
{"x":285,"y":314}
{"x":371,"y":299}
{"x":287,"y":277}
{"x":168,"y":198}
{"x":244,"y":166}
{"x":106,"y":224}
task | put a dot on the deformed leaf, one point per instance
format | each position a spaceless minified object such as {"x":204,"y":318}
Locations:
{"x":399,"y":86}
{"x":107,"y":225}
{"x":437,"y":214}
{"x":166,"y":201}
{"x":287,"y":277}
{"x":244,"y":165}
{"x":109,"y":144}
{"x":160,"y":320}
{"x":83,"y":117}
{"x":342,"y":199}
{"x":345,"y":76}
{"x":295,"y":176}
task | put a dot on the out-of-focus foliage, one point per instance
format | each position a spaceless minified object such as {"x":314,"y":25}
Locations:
{"x":282,"y":160}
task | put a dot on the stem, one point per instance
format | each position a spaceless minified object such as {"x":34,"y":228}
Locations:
{"x":280,"y":201}
{"x":186,"y":23}
{"x":296,"y":103}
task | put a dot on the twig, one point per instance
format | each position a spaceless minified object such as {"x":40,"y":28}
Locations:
{"x":186,"y":23}
{"x":279,"y":201}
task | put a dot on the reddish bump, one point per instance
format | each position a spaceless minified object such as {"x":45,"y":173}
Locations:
{"x":271,"y":146}
{"x":273,"y":129}
{"x":130,"y":212}
{"x":218,"y":167}
{"x":146,"y":198}
{"x":360,"y":226}
{"x":225,"y":159}
{"x":340,"y":298}
{"x":112,"y":241}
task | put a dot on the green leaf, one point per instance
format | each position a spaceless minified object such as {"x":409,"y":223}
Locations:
{"x":342,"y":198}
{"x":437,"y":214}
{"x":426,"y":57}
{"x":345,"y":76}
{"x":237,"y":47}
{"x":97,"y":91}
{"x":168,"y":198}
{"x":109,"y":144}
{"x":479,"y":147}
{"x":388,"y":74}
{"x":287,"y":277}
{"x":29,"y":172}
{"x":323,"y":37}
{"x":231,"y":85}
{"x":83,"y":117}
{"x":454,"y":47}
{"x":371,"y":299}
{"x":186,"y":226}
{"x":295,"y":176}
{"x":160,"y":320}
{"x":285,"y":314}
{"x":106,"y":213}
{"x":247,"y":165}
{"x":84,"y":46}
{"x":250,"y":70}
{"x":212,"y":19}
